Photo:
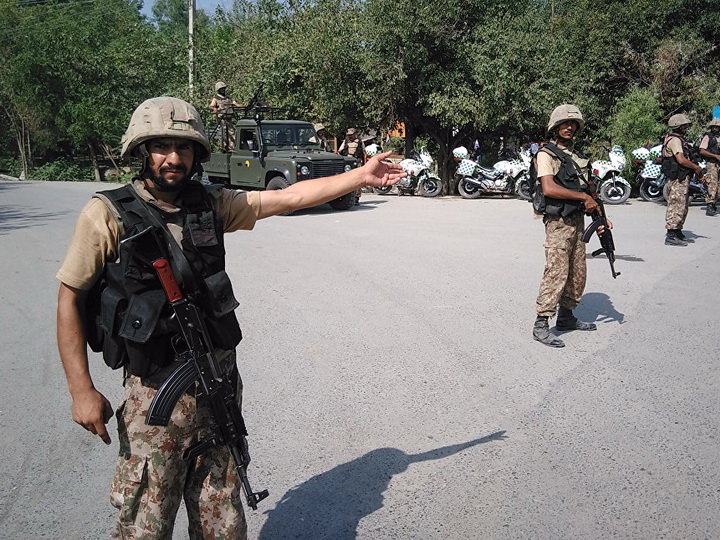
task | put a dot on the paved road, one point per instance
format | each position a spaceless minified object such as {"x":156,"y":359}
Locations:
{"x":393,"y":390}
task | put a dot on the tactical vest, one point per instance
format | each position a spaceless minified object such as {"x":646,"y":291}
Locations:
{"x":670,"y":166}
{"x":712,"y":146}
{"x":357,"y":153}
{"x":225,"y":105}
{"x":129,"y":317}
{"x":568,"y":177}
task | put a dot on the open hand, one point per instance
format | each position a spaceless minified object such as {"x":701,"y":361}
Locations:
{"x":381,"y":173}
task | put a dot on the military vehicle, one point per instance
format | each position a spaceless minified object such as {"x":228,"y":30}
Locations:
{"x":273,"y":154}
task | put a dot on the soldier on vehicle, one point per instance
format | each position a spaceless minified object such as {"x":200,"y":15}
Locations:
{"x":139,"y":333}
{"x":562,"y":197}
{"x":710,"y":150}
{"x":223,"y":105}
{"x":678,"y":167}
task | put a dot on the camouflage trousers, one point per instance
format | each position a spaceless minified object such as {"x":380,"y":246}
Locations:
{"x":712,"y":182}
{"x":563,"y":280}
{"x":152,"y":478}
{"x":677,"y":204}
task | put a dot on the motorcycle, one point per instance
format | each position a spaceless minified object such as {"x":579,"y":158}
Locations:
{"x":474,"y":180}
{"x":519,"y":170}
{"x":650,"y":178}
{"x":614,"y":189}
{"x":420,"y":179}
{"x":696,"y":189}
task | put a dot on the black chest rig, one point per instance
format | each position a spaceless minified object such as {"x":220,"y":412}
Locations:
{"x":129,"y":318}
{"x":670,"y":166}
{"x":712,"y":146}
{"x":568,"y":177}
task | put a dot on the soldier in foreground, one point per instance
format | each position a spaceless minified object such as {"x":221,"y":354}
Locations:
{"x":678,"y":166}
{"x":138,"y":331}
{"x":562,"y":198}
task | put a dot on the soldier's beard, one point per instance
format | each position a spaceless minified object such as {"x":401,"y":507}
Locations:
{"x":163,"y":185}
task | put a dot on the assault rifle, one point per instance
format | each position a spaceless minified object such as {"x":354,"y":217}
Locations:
{"x":607,"y":245}
{"x":196,"y":351}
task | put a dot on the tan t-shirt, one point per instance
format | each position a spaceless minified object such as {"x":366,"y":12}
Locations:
{"x":96,"y":239}
{"x":672,"y":146}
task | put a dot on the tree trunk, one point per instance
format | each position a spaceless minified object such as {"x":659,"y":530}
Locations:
{"x":93,"y":157}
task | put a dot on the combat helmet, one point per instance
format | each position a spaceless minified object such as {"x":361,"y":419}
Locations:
{"x":677,"y":120}
{"x":565,"y":113}
{"x":165,"y":117}
{"x":219,"y":86}
{"x":715,"y":122}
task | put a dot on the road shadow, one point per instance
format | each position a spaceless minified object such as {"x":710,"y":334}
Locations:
{"x":325,"y":209}
{"x":598,"y":307}
{"x":329,"y":506}
{"x":21,"y":217}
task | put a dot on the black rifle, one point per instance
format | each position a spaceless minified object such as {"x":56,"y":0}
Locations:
{"x":199,"y":363}
{"x":607,"y":245}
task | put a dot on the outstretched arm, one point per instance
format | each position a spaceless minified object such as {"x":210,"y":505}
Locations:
{"x":90,"y":408}
{"x":307,"y":193}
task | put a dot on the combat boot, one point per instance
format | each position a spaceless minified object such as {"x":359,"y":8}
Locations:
{"x":671,"y":239}
{"x":710,"y":209}
{"x":567,"y":321}
{"x":541,"y":333}
{"x":681,"y":236}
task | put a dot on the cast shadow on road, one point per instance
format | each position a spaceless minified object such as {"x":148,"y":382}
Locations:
{"x":330,"y":505}
{"x":598,"y":307}
{"x":325,"y":209}
{"x":19,"y":217}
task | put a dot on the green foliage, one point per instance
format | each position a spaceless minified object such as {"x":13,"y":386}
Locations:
{"x":10,"y":166}
{"x":636,"y":120}
{"x":63,"y":171}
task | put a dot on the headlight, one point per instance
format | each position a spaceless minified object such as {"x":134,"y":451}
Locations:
{"x":305,"y":170}
{"x":348,"y":167}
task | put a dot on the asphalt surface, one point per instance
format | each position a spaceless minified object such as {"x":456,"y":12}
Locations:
{"x":392,"y":386}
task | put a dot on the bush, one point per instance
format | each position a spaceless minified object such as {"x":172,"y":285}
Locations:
{"x":63,"y":171}
{"x":10,"y":166}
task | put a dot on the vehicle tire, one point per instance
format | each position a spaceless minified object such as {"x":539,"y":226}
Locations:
{"x":430,"y":186}
{"x":523,"y":188}
{"x":279,"y":182}
{"x":468,"y":190}
{"x":382,"y":190}
{"x":651,"y":192}
{"x":614,"y":194}
{"x":346,"y":202}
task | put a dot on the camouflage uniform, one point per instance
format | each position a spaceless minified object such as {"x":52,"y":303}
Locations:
{"x":563,"y":280}
{"x":677,"y":204}
{"x":152,"y":478}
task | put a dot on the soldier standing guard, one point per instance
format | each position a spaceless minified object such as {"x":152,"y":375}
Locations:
{"x":562,"y":197}
{"x":678,"y":166}
{"x":222,"y":105}
{"x":710,"y":150}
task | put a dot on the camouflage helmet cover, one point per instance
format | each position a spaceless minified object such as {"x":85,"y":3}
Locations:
{"x":219,"y":86}
{"x":715,"y":122}
{"x":677,"y":120}
{"x":565,"y":113}
{"x":165,"y":117}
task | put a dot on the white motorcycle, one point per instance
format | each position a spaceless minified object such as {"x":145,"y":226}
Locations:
{"x":613,"y":188}
{"x":650,"y":178}
{"x":420,"y":179}
{"x":519,"y":170}
{"x":474,"y":180}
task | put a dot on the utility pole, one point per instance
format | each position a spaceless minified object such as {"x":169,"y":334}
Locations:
{"x":191,"y":54}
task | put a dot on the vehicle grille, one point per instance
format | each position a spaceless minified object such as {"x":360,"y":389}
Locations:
{"x":327,"y":167}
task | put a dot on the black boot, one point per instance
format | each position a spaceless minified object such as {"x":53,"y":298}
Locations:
{"x":710,"y":209}
{"x":541,"y":333}
{"x":681,"y":236}
{"x":567,"y":321}
{"x":672,"y":239}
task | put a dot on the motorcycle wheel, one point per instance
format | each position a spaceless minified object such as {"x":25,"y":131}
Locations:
{"x":430,"y":186}
{"x":382,"y":190}
{"x":614,"y":194}
{"x":468,"y":190}
{"x":651,"y":192}
{"x":523,"y":189}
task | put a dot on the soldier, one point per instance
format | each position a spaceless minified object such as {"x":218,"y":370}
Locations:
{"x":320,"y":137}
{"x":355,"y":147}
{"x":562,"y":198}
{"x":677,"y":166}
{"x":710,"y":150}
{"x":222,"y":105}
{"x":151,"y":476}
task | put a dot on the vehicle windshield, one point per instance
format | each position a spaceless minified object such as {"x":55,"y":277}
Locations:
{"x":279,"y":135}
